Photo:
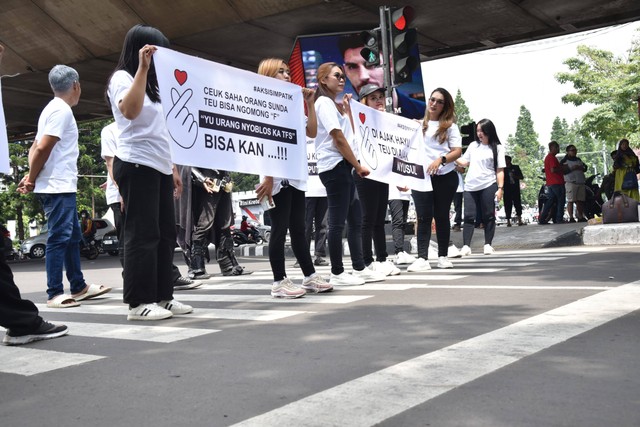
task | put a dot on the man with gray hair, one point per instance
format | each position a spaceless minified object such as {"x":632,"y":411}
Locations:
{"x":53,"y":176}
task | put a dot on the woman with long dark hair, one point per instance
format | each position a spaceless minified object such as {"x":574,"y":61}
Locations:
{"x":288,"y":213}
{"x":146,"y":178}
{"x":443,"y":145}
{"x":336,"y":160}
{"x":483,"y":184}
{"x":625,"y":162}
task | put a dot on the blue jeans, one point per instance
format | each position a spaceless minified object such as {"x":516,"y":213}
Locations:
{"x":343,"y":206}
{"x":555,"y":193}
{"x":62,"y":242}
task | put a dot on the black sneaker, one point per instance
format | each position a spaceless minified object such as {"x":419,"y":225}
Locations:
{"x":182,"y":283}
{"x":319,"y":261}
{"x":44,"y":332}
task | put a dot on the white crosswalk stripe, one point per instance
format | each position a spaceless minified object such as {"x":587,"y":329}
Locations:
{"x":255,"y":289}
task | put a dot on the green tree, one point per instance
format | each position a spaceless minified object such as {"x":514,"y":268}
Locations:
{"x":244,"y":181}
{"x":526,"y":151}
{"x":559,"y":131}
{"x":462,"y":111}
{"x":610,"y":83}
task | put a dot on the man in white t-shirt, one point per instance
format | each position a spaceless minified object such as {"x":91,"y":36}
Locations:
{"x":53,"y":176}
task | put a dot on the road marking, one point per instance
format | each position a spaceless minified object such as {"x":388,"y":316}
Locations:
{"x":200,"y":313}
{"x":329,"y":298}
{"x":31,"y":361}
{"x":408,"y":384}
{"x":163,"y":334}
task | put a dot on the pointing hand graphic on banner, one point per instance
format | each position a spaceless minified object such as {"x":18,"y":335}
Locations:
{"x":182,"y":125}
{"x":368,"y":149}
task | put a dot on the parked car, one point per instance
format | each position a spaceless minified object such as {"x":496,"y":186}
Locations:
{"x":110,"y":243}
{"x":9,"y":253}
{"x":35,"y":247}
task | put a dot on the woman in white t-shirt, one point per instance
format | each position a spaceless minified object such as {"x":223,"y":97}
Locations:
{"x":443,"y":145}
{"x":146,"y":177}
{"x":289,"y":210}
{"x":483,"y":184}
{"x":336,"y":159}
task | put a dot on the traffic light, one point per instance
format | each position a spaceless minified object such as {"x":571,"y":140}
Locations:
{"x":371,"y":50}
{"x":468,"y":133}
{"x":403,"y":40}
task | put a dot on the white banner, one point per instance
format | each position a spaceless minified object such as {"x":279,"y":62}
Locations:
{"x":390,"y":146}
{"x":315,"y":187}
{"x":220,"y":117}
{"x":4,"y":142}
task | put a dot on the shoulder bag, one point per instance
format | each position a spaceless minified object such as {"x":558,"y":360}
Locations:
{"x":621,"y":208}
{"x":630,"y":180}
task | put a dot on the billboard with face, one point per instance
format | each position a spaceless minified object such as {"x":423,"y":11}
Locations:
{"x":310,"y":52}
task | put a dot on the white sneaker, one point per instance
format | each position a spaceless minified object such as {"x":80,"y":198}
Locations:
{"x":176,"y":307}
{"x":368,"y":275}
{"x":419,"y":265}
{"x":148,"y":312}
{"x":404,"y":258}
{"x":315,"y":283}
{"x":345,"y":279}
{"x":465,"y":251}
{"x":286,"y":289}
{"x":386,"y":268}
{"x":488,"y":250}
{"x":454,"y":252}
{"x":393,"y":270}
{"x":443,"y":262}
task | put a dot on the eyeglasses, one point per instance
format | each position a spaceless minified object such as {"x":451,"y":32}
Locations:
{"x":339,"y":76}
{"x":573,"y":149}
{"x":436,"y":100}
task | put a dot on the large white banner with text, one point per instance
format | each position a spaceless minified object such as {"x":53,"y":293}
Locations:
{"x":315,"y":187}
{"x":220,"y":117}
{"x":4,"y":142}
{"x":390,"y":147}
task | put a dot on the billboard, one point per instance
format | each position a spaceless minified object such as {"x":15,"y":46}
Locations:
{"x":309,"y":52}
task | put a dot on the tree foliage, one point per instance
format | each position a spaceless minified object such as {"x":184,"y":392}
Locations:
{"x":610,"y":83}
{"x":526,"y":152}
{"x":462,"y":111}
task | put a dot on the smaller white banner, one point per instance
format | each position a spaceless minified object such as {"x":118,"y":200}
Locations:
{"x":4,"y":141}
{"x":391,"y":147}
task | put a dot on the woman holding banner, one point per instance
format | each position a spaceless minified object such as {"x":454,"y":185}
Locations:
{"x":483,"y":184}
{"x":443,"y":145}
{"x":146,"y":179}
{"x":336,"y":159}
{"x":374,"y":196}
{"x":288,"y":213}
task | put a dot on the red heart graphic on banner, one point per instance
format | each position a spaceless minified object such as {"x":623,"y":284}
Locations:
{"x":181,"y":76}
{"x":363,"y":117}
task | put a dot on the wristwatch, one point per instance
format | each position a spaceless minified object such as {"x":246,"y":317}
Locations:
{"x":443,"y":160}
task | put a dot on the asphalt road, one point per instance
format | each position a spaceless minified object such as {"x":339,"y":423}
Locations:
{"x":545,"y":337}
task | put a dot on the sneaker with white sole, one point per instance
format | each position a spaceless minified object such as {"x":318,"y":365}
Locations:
{"x":384,"y":267}
{"x":419,"y":265}
{"x":45,"y":331}
{"x":404,"y":258}
{"x":368,"y":275}
{"x":285,"y":288}
{"x":176,"y":307}
{"x":453,"y":252}
{"x":443,"y":262}
{"x":465,"y":251}
{"x":488,"y":250}
{"x":182,"y":283}
{"x":393,"y":270}
{"x":316,"y":284}
{"x":148,"y":312}
{"x":345,"y":279}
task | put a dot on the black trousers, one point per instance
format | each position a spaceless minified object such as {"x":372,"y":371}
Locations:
{"x":316,"y":224}
{"x":17,"y":314}
{"x":435,"y":204}
{"x":374,"y":196}
{"x":481,"y":201}
{"x":512,"y":198}
{"x":288,"y":215}
{"x":149,"y":232}
{"x":118,"y":219}
{"x":399,"y":210}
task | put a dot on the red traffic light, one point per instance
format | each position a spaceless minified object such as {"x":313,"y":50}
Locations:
{"x":402,"y":17}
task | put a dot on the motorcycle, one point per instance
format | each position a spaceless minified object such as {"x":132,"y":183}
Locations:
{"x":91,"y":249}
{"x":240,"y":238}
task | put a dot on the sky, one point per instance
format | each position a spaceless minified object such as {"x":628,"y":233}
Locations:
{"x":495,"y":83}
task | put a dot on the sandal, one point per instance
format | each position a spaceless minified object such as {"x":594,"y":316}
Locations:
{"x":92,"y":292}
{"x":62,"y":301}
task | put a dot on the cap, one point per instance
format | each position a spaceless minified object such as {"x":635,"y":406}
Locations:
{"x":369,"y":89}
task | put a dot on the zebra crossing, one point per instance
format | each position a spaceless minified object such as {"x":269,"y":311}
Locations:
{"x":244,"y":298}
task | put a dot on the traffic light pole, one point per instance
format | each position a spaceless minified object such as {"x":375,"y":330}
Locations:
{"x":385,"y":19}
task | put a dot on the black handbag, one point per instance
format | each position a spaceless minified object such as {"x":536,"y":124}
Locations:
{"x":630,"y":180}
{"x":621,"y":208}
